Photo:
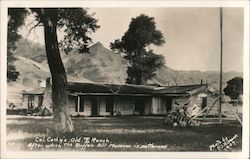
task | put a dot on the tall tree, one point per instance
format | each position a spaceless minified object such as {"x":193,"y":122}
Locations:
{"x":15,"y":20}
{"x":135,"y":46}
{"x":75,"y":23}
{"x":234,"y":88}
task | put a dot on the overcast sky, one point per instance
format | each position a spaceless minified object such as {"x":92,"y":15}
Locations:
{"x":192,"y":34}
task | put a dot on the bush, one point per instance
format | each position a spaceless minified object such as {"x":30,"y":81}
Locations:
{"x":16,"y":111}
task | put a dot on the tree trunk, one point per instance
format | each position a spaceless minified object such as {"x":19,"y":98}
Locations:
{"x":59,"y":78}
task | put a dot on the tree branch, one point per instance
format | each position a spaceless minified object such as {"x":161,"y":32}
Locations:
{"x":34,"y":27}
{"x":32,"y":22}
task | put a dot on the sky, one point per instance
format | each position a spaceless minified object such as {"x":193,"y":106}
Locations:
{"x":192,"y":35}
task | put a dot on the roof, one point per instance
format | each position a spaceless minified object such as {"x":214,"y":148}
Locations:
{"x":37,"y":91}
{"x":109,"y":88}
{"x":185,"y":89}
{"x":105,"y":89}
{"x":213,"y":90}
{"x":134,"y":90}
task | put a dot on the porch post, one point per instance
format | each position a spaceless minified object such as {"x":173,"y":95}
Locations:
{"x":78,"y":103}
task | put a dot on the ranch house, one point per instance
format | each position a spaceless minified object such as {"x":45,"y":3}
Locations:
{"x":91,"y":99}
{"x":94,"y":99}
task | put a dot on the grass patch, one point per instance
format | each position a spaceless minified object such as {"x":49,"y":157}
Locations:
{"x":137,"y":133}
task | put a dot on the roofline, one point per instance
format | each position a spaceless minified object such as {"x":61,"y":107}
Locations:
{"x":26,"y":93}
{"x":109,"y":94}
{"x":105,"y":84}
{"x":129,"y":94}
{"x":185,"y":85}
{"x":197,"y":90}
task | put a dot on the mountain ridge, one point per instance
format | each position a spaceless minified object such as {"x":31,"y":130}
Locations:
{"x":102,"y":65}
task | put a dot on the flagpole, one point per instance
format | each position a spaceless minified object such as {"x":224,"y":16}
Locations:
{"x":221,"y":55}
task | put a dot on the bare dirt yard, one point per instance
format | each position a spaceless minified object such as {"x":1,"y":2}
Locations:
{"x":128,"y":133}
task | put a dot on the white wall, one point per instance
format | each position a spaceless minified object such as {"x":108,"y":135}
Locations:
{"x":158,"y":106}
{"x":102,"y":108}
{"x":124,"y":105}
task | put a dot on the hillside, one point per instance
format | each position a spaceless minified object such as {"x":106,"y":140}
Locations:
{"x":100,"y":65}
{"x":168,"y":76}
{"x":103,"y":66}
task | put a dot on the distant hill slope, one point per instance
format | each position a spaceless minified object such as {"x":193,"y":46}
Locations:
{"x":168,"y":76}
{"x":100,"y":65}
{"x":30,"y":71}
{"x":104,"y":66}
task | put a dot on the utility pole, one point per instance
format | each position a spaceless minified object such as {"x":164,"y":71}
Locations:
{"x":221,"y":55}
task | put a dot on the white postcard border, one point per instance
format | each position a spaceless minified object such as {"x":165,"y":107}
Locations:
{"x":245,"y":136}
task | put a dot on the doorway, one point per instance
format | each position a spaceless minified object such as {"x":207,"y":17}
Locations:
{"x":94,"y":106}
{"x":140,"y":105}
{"x":110,"y":105}
{"x":168,"y":103}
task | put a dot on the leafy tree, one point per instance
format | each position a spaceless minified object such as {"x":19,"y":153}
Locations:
{"x":234,"y":88}
{"x":76,"y":23}
{"x":15,"y":20}
{"x":135,"y":46}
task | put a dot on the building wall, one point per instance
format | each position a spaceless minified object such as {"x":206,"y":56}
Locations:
{"x":158,"y":106}
{"x":148,"y":106}
{"x":196,"y":100}
{"x":36,"y":98}
{"x":102,"y":103}
{"x":87,"y":106}
{"x":124,"y":105}
{"x":76,"y":100}
{"x":25,"y":101}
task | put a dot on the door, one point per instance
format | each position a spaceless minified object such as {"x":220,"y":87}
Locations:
{"x":81,"y":109}
{"x":110,"y":105}
{"x":140,"y":105}
{"x":31,"y":102}
{"x":204,"y":102}
{"x":168,"y":103}
{"x":94,"y":106}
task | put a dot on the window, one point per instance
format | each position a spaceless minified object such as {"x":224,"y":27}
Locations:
{"x":204,"y":102}
{"x":109,"y":104}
